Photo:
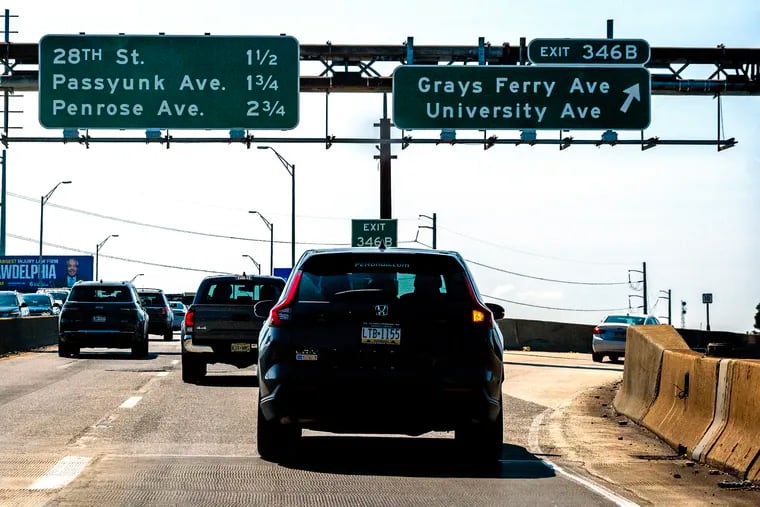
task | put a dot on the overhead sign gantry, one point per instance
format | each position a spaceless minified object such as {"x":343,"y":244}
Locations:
{"x":162,"y":81}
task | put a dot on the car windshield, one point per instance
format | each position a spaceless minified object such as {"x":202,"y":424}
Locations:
{"x":240,"y":292}
{"x":105,"y":294}
{"x":8,"y":300}
{"x":152,"y":299}
{"x":37,"y":299}
{"x":624,"y":319}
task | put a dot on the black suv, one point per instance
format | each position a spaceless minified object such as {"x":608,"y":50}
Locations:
{"x":381,"y":341}
{"x":103,"y":314}
{"x":161,"y":317}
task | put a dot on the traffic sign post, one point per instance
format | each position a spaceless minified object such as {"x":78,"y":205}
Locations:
{"x":374,"y":233}
{"x":589,"y":51}
{"x":162,"y":81}
{"x":521,"y":97}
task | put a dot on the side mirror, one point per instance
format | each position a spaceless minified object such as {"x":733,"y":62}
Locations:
{"x":262,"y":308}
{"x":497,"y":310}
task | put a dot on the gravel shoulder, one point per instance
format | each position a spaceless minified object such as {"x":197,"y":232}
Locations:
{"x":588,"y":437}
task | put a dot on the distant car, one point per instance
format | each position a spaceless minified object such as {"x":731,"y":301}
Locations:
{"x":178,"y":310}
{"x":103,"y":314}
{"x":42,"y":303}
{"x":609,"y":335}
{"x":394,"y":340}
{"x":59,"y":294}
{"x":161,"y":318}
{"x":12,"y":304}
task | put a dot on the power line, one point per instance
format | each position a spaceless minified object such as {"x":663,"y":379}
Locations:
{"x":542,"y":278}
{"x":557,"y":308}
{"x":125,"y":259}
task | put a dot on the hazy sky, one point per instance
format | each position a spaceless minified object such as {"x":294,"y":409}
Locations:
{"x":585,"y":214}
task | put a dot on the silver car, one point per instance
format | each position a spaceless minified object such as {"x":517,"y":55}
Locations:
{"x":609,"y":335}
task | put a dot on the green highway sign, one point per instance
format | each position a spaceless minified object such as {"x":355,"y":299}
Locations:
{"x":374,"y":232}
{"x":589,"y":51}
{"x":163,"y":81}
{"x":521,"y":97}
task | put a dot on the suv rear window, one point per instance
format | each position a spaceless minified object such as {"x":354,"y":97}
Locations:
{"x":152,"y":299}
{"x":400,"y":276}
{"x":105,"y":294}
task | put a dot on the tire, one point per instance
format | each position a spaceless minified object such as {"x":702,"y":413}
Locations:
{"x":64,"y":350}
{"x":614,"y":358}
{"x":276,"y":442}
{"x":192,"y":369}
{"x":597,"y":357}
{"x":483,"y":441}
{"x":140,"y":350}
{"x":169,"y":334}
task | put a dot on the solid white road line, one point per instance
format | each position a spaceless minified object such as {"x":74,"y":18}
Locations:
{"x":62,"y":473}
{"x":535,"y":448}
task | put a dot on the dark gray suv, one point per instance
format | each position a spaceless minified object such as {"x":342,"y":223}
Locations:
{"x":367,"y":340}
{"x":102,"y":314}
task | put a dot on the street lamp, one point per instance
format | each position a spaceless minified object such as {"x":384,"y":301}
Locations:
{"x":270,"y":225}
{"x":135,"y":277}
{"x":258,"y":266}
{"x":97,"y":249}
{"x":43,"y":200}
{"x":291,"y":168}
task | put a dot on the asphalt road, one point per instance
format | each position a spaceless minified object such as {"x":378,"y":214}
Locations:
{"x":106,"y":429}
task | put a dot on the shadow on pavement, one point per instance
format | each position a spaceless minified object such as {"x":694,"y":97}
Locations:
{"x":410,"y":457}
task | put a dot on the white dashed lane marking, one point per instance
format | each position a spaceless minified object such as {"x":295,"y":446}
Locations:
{"x":131,"y":402}
{"x":62,"y":473}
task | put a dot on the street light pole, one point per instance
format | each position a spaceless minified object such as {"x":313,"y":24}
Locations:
{"x":256,"y":264}
{"x":270,"y":226}
{"x":135,"y":277}
{"x":291,"y":168}
{"x":97,"y":250}
{"x":43,"y":200}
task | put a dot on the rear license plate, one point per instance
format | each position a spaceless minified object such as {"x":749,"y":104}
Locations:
{"x":381,"y":334}
{"x":98,"y":318}
{"x":241,"y":347}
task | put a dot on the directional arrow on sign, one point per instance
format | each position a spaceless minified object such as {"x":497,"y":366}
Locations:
{"x":633,"y":93}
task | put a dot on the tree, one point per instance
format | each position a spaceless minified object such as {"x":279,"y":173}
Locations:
{"x":757,"y":317}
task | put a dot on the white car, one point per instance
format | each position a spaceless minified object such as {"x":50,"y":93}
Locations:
{"x":609,"y":335}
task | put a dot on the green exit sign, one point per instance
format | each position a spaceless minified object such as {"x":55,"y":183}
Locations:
{"x":521,"y":97}
{"x":162,"y":81}
{"x":374,"y":232}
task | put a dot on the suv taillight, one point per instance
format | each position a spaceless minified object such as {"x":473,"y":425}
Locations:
{"x":189,"y":321}
{"x":281,"y":312}
{"x":480,"y":313}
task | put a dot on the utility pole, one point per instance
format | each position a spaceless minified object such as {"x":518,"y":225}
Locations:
{"x":643,"y":272}
{"x":385,"y":161}
{"x":434,"y":227}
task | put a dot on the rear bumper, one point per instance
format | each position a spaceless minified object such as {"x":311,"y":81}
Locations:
{"x":221,"y":352}
{"x":100,"y":338}
{"x":614,"y":346}
{"x":370,"y":402}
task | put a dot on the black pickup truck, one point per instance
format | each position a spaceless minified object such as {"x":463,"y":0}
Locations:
{"x":220,"y":326}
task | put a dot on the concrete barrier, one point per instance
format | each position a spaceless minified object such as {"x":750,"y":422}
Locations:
{"x":27,"y":333}
{"x":737,"y":448}
{"x":685,"y":403}
{"x":644,"y":348}
{"x":546,"y":336}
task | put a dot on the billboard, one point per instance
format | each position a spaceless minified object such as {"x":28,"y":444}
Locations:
{"x":25,"y":273}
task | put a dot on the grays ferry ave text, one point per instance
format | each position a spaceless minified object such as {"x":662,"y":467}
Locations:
{"x":504,"y":86}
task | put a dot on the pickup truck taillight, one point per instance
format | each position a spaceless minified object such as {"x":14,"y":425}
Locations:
{"x":281,"y":312}
{"x":189,"y":321}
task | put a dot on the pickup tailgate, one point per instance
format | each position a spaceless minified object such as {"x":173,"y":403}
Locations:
{"x":219,"y":323}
